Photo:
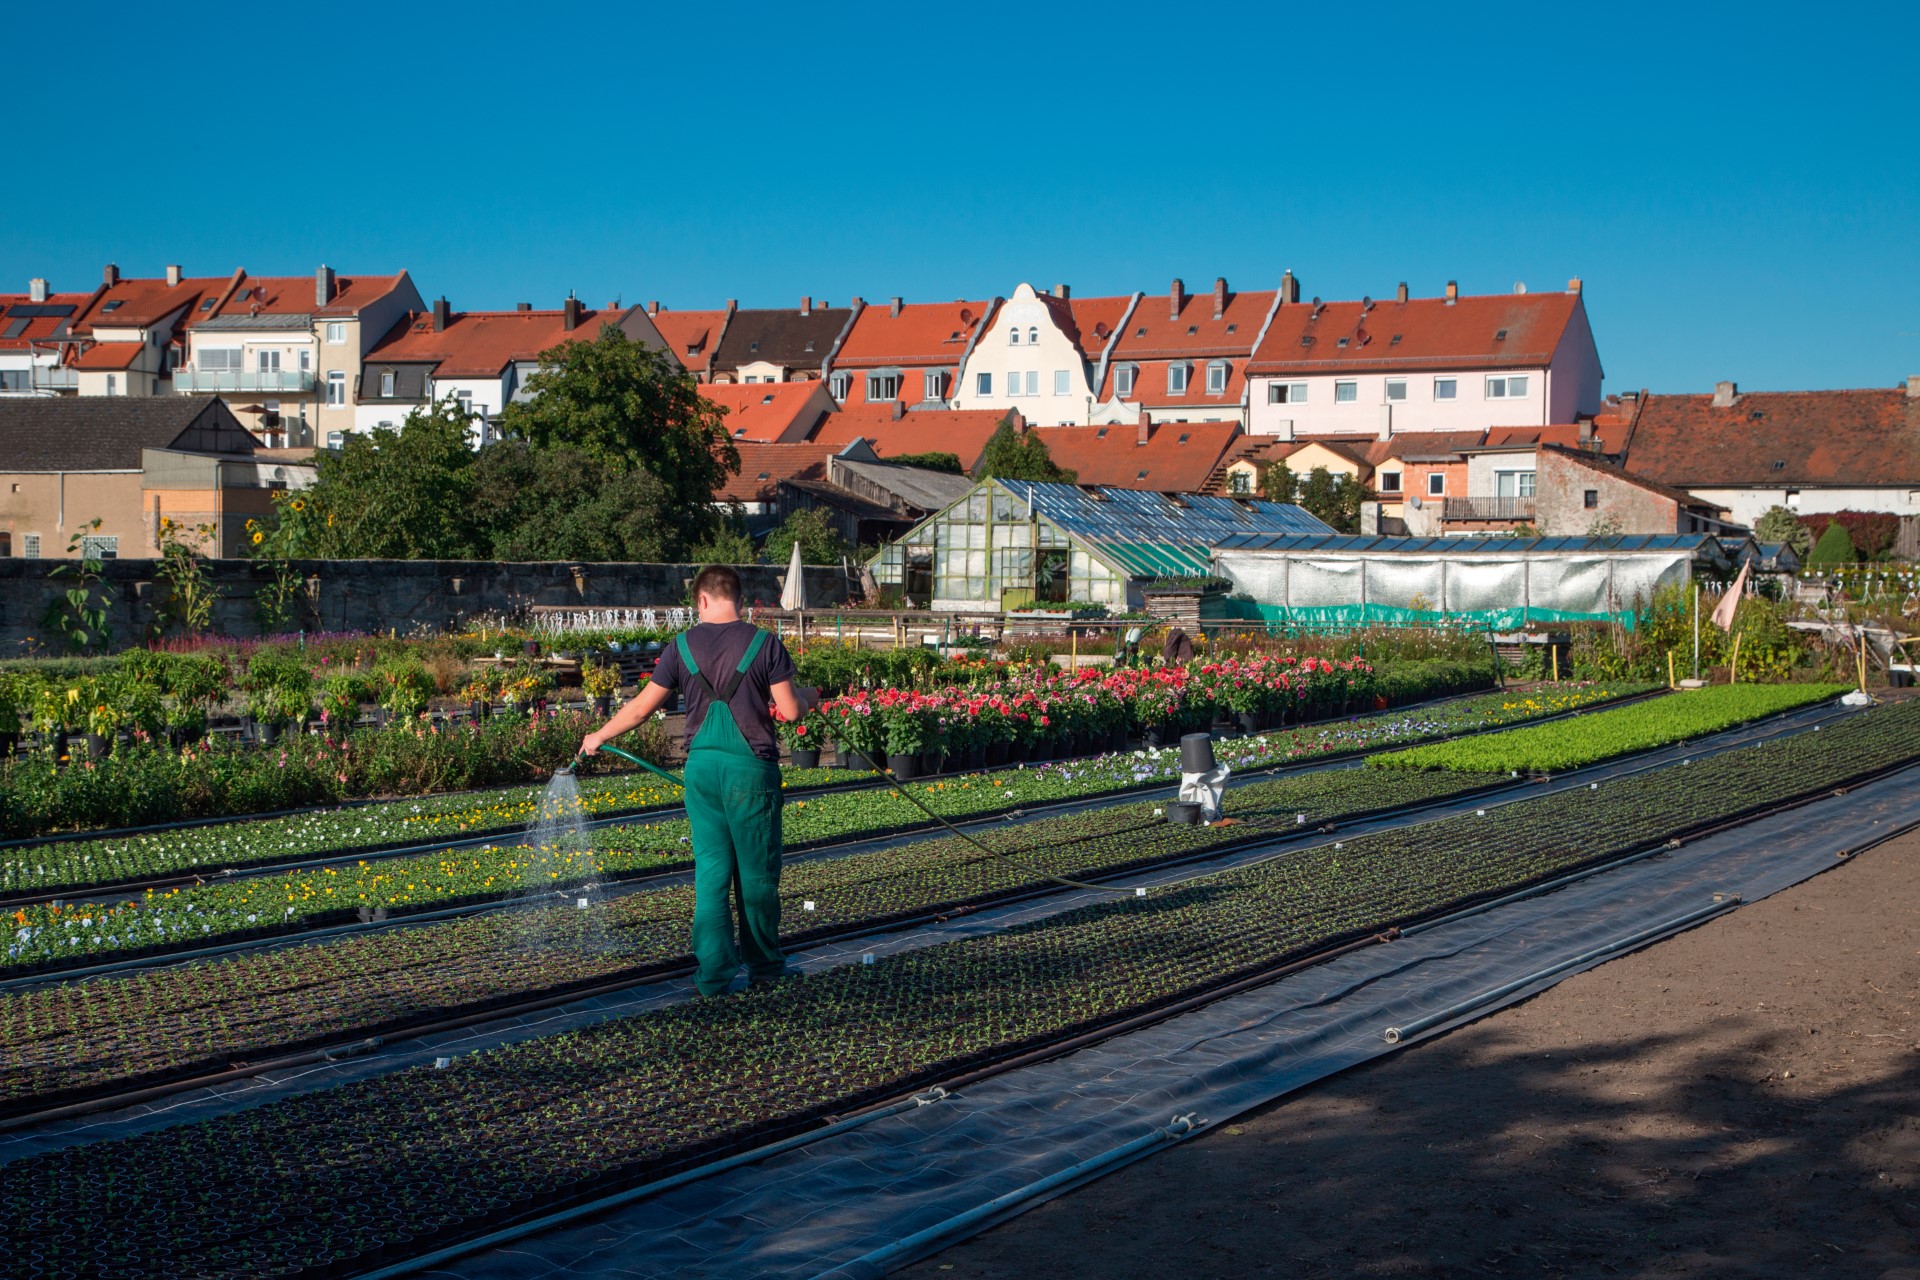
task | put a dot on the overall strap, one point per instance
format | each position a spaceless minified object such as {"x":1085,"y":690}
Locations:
{"x":693,"y":668}
{"x":746,"y":660}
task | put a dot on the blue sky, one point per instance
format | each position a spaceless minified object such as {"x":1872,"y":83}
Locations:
{"x":1739,"y":186}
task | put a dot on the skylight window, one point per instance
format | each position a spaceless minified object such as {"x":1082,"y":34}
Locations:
{"x":112,"y":306}
{"x":1192,"y":329}
{"x":1101,"y":434}
{"x":1779,"y":464}
{"x":206,"y":304}
{"x":1394,"y":341}
{"x":1184,"y":437}
{"x":1233,"y":328}
{"x":753,"y":346}
{"x":1141,"y":476}
{"x":1141,"y":332}
{"x":1341,"y":343}
{"x":1500,"y":336}
{"x":766,"y":399}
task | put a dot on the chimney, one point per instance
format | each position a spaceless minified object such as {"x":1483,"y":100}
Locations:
{"x":893,"y":308}
{"x":1724,"y":394}
{"x":523,"y":306}
{"x":1289,"y":287}
{"x":1062,"y":292}
{"x":806,"y":306}
{"x":111,"y":276}
{"x":37,"y":289}
{"x":1178,"y":298}
{"x":1453,"y":291}
{"x":323,"y":290}
{"x":1586,"y":433}
{"x":441,"y":314}
{"x":570,"y":312}
{"x":899,"y":410}
{"x":1400,"y":294}
{"x":173,"y":275}
{"x":733,"y":305}
{"x":1913,"y":383}
{"x":1573,"y":286}
{"x":1140,"y":436}
{"x":1219,"y":296}
{"x":653,"y":308}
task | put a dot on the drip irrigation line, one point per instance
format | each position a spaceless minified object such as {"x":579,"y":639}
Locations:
{"x":381,"y":853}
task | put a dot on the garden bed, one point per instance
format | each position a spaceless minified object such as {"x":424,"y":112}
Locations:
{"x":340,"y":1180}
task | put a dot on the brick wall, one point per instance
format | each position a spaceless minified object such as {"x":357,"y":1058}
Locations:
{"x":1559,"y":490}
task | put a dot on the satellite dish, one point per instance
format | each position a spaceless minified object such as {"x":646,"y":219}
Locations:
{"x":279,"y":473}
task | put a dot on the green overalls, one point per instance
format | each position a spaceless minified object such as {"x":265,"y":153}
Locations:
{"x":734,"y":807}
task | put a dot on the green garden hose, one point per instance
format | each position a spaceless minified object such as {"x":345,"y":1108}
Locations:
{"x":901,"y":789}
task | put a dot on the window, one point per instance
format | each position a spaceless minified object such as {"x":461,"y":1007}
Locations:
{"x":935,"y":384}
{"x":1240,"y":483}
{"x":1176,"y":379}
{"x":113,"y":385}
{"x":6,"y":543}
{"x":1123,"y":376}
{"x":1286,"y":393}
{"x":16,"y":380}
{"x":267,"y":361}
{"x":1033,"y":335}
{"x":221,"y":359}
{"x":336,"y":333}
{"x":1590,"y":499}
{"x":337,"y":387}
{"x":29,"y":546}
{"x":1389,"y":482}
{"x":1396,"y":389}
{"x":1436,"y":483}
{"x":1216,"y":377}
{"x":173,"y":358}
{"x":386,"y":383}
{"x":1507,"y":388}
{"x":839,"y":385}
{"x":100,"y":546}
{"x":1346,"y":392}
{"x":983,"y":384}
{"x":1446,"y":388}
{"x":883,"y":386}
{"x":1101,"y":434}
{"x":1062,"y":384}
{"x":306,"y":361}
{"x":1013,"y":336}
{"x":1033,"y":382}
{"x":336,"y":439}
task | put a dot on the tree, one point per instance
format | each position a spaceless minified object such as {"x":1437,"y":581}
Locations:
{"x":730,"y":543}
{"x":626,"y":403}
{"x":1019,"y":455}
{"x":820,"y":542}
{"x":1333,"y":497}
{"x":393,"y":495}
{"x":1779,"y":524}
{"x":1834,"y":547}
{"x":562,"y":503}
{"x":948,"y":462}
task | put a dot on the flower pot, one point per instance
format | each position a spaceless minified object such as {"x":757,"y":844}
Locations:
{"x":59,"y":742}
{"x":1042,"y":750}
{"x":99,"y":746}
{"x":1249,"y":722}
{"x":976,"y":758}
{"x":603,"y":705}
{"x":930,"y":763}
{"x":806,"y":757}
{"x":902,"y":767}
{"x":1154,"y":737}
{"x":480,"y":710}
{"x":1183,"y":813}
{"x":266,"y":731}
{"x":1899,"y":676}
{"x":1065,"y":748}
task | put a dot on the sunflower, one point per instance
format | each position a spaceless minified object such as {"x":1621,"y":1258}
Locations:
{"x":258,"y":538}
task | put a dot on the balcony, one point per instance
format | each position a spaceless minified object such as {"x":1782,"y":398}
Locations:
{"x":190,"y":381}
{"x":1497,"y":510}
{"x":55,"y":378}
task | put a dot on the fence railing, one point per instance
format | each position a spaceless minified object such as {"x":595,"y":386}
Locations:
{"x":1498,"y":508}
{"x":197,"y":380}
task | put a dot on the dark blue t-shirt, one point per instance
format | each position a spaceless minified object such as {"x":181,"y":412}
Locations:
{"x":717,"y":647}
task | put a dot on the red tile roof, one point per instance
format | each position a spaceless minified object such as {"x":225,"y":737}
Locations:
{"x":693,"y":336}
{"x":294,"y":295}
{"x":1421,"y":333}
{"x":1155,"y":337}
{"x":1177,"y":458}
{"x":1776,"y":438}
{"x":479,"y":344}
{"x":138,"y":303}
{"x":1090,"y":322}
{"x":17,"y":311}
{"x":766,"y":411}
{"x":108,"y":356}
{"x":1593,"y":462}
{"x":924,"y":334}
{"x":764,"y":466}
{"x":961,"y":432}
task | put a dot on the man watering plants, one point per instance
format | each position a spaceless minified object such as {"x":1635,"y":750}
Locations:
{"x":728,"y":670}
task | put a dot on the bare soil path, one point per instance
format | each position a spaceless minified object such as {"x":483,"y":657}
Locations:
{"x":1739,"y":1101}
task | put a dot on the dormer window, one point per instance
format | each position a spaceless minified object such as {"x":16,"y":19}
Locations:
{"x":935,"y":381}
{"x":883,"y":386}
{"x":1177,"y":378}
{"x":1216,"y":377}
{"x":1123,"y":377}
{"x":386,"y":384}
{"x":839,"y":384}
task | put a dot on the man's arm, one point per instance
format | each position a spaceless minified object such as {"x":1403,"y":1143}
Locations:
{"x":791,"y":702}
{"x":627,"y":718}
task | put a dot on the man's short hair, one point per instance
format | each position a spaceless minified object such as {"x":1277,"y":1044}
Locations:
{"x":721,"y":581}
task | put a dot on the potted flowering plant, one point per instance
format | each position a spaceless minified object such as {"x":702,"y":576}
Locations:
{"x":103,"y":721}
{"x":481,"y":688}
{"x":402,"y":689}
{"x":802,"y":738}
{"x":599,"y":682}
{"x":908,"y":734}
{"x":340,"y":697}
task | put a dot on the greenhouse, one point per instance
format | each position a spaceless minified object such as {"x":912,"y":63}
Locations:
{"x":1008,"y":544}
{"x":1502,"y":582}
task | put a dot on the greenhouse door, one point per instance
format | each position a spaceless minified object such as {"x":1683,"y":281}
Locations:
{"x":918,"y":577}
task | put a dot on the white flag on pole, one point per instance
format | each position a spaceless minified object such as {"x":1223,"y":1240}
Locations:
{"x":1723,"y":612}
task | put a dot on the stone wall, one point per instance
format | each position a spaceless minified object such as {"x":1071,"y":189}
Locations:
{"x":380,"y":595}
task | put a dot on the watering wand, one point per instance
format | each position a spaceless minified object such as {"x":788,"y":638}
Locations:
{"x":630,"y":758}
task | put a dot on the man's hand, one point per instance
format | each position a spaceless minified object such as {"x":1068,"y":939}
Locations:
{"x":590,"y":744}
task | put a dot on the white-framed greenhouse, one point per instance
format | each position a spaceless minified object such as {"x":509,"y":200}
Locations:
{"x":1006,"y":544}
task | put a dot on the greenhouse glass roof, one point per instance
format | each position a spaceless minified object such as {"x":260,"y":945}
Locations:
{"x":1697,"y":543}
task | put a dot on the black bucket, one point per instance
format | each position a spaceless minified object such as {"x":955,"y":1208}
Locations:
{"x":1196,"y":753}
{"x":1183,"y":813}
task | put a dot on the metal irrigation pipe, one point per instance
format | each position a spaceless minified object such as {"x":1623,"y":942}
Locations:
{"x":1721,"y":903}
